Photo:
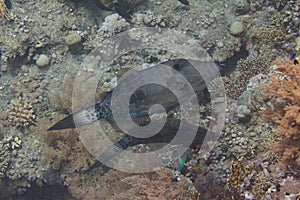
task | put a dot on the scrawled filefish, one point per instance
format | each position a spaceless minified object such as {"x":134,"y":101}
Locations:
{"x":145,"y":96}
{"x":142,"y":100}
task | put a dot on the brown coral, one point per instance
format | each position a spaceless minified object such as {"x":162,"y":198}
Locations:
{"x":63,"y":149}
{"x":116,"y":185}
{"x":21,"y":113}
{"x":283,"y":91}
{"x":239,"y":172}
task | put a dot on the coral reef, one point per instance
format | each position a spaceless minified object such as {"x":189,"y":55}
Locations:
{"x":268,"y":34}
{"x":62,"y":149}
{"x":246,"y":137}
{"x":21,"y":113}
{"x":247,"y":68}
{"x":283,"y":92}
{"x":113,"y":24}
{"x":66,"y":31}
{"x":118,"y":185}
{"x":152,"y":20}
{"x":237,"y":175}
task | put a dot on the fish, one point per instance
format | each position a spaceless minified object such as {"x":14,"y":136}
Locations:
{"x":139,"y":105}
{"x":144,"y":97}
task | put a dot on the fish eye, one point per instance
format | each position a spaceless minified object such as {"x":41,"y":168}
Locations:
{"x":177,"y":66}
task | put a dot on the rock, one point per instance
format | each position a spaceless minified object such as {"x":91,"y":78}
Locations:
{"x":43,"y":61}
{"x":243,"y":112}
{"x":237,"y":28}
{"x":113,"y":83}
{"x":113,"y":24}
{"x":238,"y":151}
{"x":14,"y":152}
{"x":252,"y":134}
{"x":4,"y":68}
{"x":73,"y":41}
{"x":241,"y":7}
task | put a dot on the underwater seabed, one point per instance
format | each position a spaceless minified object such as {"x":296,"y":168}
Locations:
{"x":255,"y":44}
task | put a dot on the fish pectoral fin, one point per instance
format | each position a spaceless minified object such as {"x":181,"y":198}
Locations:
{"x":107,"y":155}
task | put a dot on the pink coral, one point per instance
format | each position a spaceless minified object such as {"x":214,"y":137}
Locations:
{"x":283,"y":91}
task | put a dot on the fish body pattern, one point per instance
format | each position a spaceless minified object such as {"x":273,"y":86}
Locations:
{"x":144,"y":97}
{"x":139,"y":106}
{"x":140,"y":102}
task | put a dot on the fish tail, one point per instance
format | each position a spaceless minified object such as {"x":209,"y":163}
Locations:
{"x":65,"y":123}
{"x":74,"y":120}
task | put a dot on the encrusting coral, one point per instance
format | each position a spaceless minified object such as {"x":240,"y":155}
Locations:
{"x":21,"y":112}
{"x":283,"y":92}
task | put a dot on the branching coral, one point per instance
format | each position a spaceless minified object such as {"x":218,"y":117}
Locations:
{"x":21,"y":113}
{"x":238,"y":174}
{"x":246,"y":69}
{"x":268,"y":34}
{"x":283,"y":91}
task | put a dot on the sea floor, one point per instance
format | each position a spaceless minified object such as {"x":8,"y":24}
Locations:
{"x":46,"y":45}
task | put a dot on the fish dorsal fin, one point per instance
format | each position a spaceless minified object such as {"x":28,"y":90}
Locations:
{"x":102,"y":95}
